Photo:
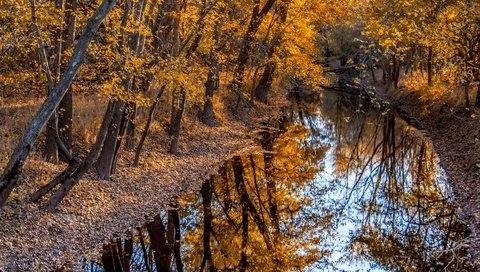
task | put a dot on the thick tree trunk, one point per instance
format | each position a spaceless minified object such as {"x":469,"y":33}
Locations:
{"x":17,"y":160}
{"x":176,"y":125}
{"x":76,"y":174}
{"x":211,"y":86}
{"x":104,"y":165}
{"x":265,"y":84}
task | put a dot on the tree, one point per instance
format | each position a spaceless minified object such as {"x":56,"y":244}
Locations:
{"x":15,"y":165}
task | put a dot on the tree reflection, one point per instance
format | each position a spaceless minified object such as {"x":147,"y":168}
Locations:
{"x":278,"y":210}
{"x":407,"y":219}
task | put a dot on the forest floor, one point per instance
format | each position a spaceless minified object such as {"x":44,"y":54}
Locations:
{"x":455,"y":134}
{"x":34,"y":240}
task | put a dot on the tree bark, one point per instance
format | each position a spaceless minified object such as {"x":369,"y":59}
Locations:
{"x":265,"y":84}
{"x":177,"y":122}
{"x":15,"y":165}
{"x":211,"y":86}
{"x":69,"y":181}
{"x":430,"y":65}
{"x":147,"y":126}
{"x":247,"y":44}
{"x":104,"y":165}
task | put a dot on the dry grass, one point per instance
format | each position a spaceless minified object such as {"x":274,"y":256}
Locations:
{"x":14,"y":118}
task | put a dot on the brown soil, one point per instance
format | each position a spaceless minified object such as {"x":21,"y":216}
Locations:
{"x":455,"y":133}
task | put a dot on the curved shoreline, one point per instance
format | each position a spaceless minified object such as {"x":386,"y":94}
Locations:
{"x":34,"y":240}
{"x":456,"y":140}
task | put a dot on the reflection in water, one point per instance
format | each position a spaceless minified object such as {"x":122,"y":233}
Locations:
{"x":337,"y":188}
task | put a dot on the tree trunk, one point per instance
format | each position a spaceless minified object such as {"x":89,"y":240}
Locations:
{"x":177,"y":121}
{"x":211,"y":86}
{"x":430,"y":65}
{"x":265,"y":84}
{"x":104,"y":165}
{"x":15,"y":165}
{"x":51,"y":149}
{"x":147,"y":126}
{"x":207,"y":261}
{"x":69,"y":181}
{"x":65,"y":109}
{"x":247,"y":44}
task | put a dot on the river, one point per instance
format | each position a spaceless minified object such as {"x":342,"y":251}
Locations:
{"x":340,"y":186}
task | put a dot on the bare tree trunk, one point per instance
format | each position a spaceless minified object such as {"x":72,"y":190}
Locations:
{"x":69,"y":181}
{"x":107,"y":161}
{"x":104,"y":165}
{"x":147,"y":126}
{"x":51,"y":151}
{"x":211,"y":86}
{"x":177,"y":122}
{"x":213,"y":81}
{"x":15,"y":165}
{"x":65,"y":109}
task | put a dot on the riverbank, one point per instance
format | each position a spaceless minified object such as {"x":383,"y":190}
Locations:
{"x":455,"y":134}
{"x":34,"y":240}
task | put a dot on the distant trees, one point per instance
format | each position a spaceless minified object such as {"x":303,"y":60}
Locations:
{"x":440,"y":38}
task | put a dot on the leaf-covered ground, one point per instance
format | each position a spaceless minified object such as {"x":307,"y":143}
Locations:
{"x":34,"y":240}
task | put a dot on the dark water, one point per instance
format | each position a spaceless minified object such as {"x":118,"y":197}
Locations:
{"x":339,"y":188}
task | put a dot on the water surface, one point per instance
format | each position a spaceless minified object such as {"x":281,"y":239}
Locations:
{"x":341,"y":186}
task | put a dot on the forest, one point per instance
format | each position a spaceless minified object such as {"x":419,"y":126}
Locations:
{"x":249,"y":135}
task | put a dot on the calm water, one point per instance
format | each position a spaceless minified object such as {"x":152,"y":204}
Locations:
{"x":339,"y":187}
